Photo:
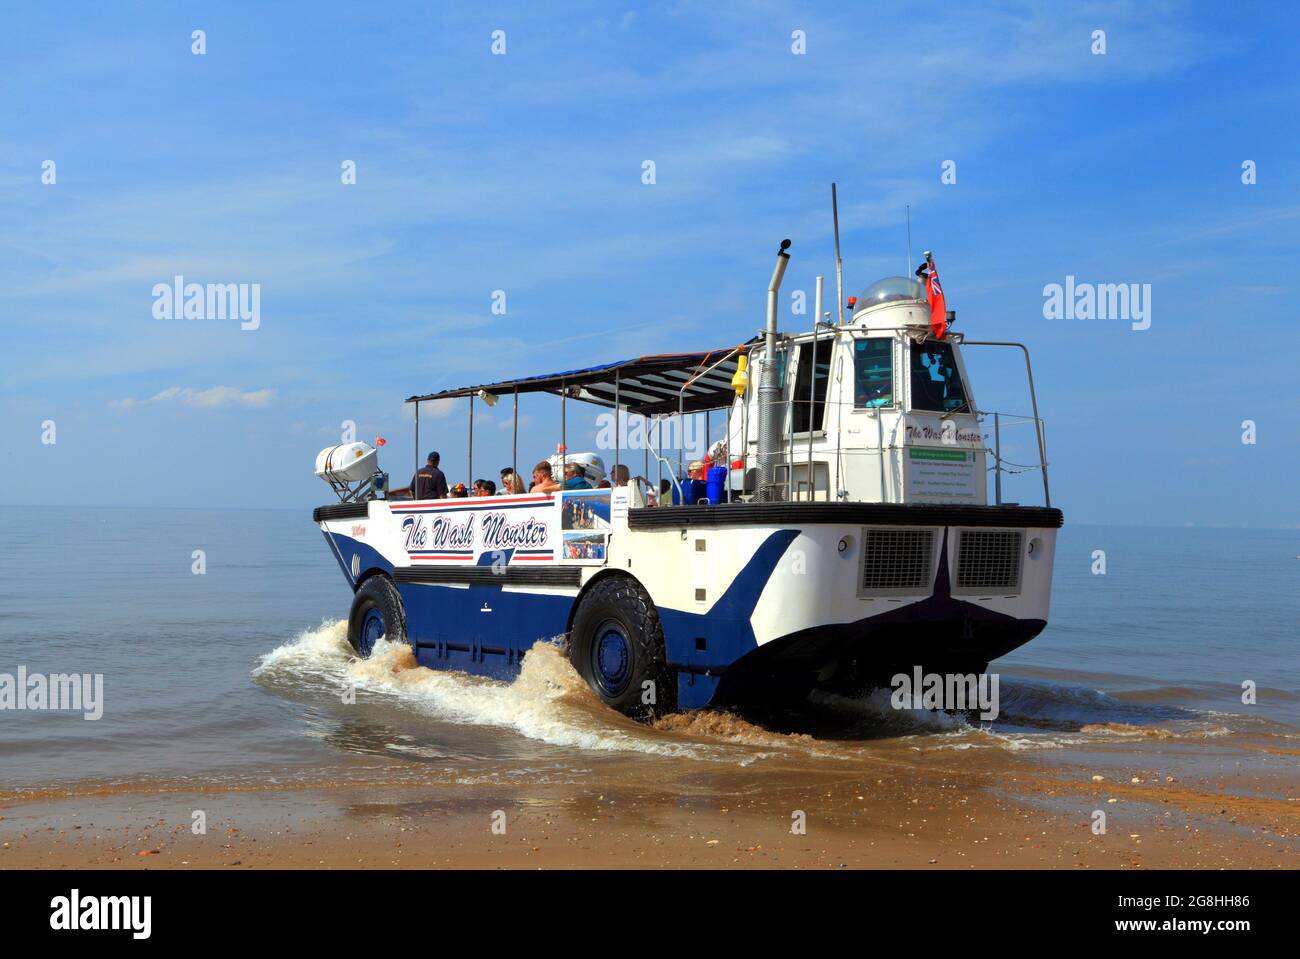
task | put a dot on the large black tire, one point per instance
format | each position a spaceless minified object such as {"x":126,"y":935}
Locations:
{"x":617,"y":646}
{"x":376,"y":612}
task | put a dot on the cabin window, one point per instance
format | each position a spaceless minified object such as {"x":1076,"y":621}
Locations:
{"x":873,"y":372}
{"x":818,"y":369}
{"x":936,"y":384}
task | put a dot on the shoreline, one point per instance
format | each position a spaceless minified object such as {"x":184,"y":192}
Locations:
{"x":1012,"y":815}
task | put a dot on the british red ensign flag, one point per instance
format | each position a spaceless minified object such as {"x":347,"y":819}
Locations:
{"x":934,"y":293}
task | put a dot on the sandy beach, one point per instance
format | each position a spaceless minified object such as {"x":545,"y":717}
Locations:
{"x":965,"y":812}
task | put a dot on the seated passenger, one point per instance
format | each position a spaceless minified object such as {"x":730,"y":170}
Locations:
{"x":483,"y":487}
{"x":510,"y":481}
{"x":623,"y":479}
{"x":543,"y":481}
{"x":575,"y":477}
{"x":458,"y":492}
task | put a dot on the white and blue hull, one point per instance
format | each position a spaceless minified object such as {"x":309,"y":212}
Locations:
{"x":754,"y":600}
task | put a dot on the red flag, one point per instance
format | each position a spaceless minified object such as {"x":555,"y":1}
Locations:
{"x":934,"y":293}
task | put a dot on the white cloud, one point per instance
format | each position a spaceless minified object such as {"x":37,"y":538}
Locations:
{"x":430,"y":409}
{"x":210,"y":399}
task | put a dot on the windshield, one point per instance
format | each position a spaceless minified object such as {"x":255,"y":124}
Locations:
{"x":936,"y":384}
{"x":873,"y":372}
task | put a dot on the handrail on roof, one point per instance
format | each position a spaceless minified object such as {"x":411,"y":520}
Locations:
{"x":681,"y":393}
{"x":1033,"y":399}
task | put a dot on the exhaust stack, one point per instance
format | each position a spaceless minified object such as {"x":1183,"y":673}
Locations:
{"x":770,"y":391}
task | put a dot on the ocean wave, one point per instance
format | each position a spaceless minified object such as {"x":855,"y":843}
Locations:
{"x":548,"y":701}
{"x":1032,"y":714}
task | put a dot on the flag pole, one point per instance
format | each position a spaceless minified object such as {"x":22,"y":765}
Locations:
{"x":909,"y":240}
{"x":839,"y":263}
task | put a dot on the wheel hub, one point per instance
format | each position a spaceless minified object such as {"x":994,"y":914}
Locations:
{"x":613,"y":659}
{"x":372,"y":630}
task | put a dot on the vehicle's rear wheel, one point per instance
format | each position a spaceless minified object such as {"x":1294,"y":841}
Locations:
{"x":377,"y":614}
{"x":617,"y":646}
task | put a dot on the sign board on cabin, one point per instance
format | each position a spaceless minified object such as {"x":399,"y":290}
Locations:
{"x":943,"y":475}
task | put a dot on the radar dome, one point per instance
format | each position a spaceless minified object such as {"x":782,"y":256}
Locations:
{"x":889,"y":290}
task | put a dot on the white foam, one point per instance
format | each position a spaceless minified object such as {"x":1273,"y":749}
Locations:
{"x":321,"y":650}
{"x":550,"y":703}
{"x":547,"y":702}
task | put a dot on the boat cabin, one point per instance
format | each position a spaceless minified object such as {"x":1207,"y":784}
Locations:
{"x":877,"y":410}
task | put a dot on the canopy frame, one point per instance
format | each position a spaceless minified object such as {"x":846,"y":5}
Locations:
{"x":672,"y":384}
{"x":666,"y":383}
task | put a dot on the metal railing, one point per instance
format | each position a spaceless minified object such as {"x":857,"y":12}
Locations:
{"x":1033,"y":399}
{"x":793,"y":442}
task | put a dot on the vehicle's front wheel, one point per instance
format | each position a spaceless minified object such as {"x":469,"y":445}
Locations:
{"x":617,"y":646}
{"x":376,"y":614}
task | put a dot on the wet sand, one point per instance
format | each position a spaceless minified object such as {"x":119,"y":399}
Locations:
{"x":424,"y":769}
{"x":958,"y":812}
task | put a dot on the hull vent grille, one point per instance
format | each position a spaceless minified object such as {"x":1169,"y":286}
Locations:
{"x":989,"y":560}
{"x":897,"y":561}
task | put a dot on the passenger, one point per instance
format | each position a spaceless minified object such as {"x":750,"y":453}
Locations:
{"x":622,"y":475}
{"x":575,"y":477}
{"x":428,"y":481}
{"x":510,"y":481}
{"x":484,"y":487}
{"x":543,"y":480}
{"x":665,"y":493}
{"x":459,"y":492}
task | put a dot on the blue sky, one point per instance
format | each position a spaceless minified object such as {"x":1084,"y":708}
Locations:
{"x":523,"y":173}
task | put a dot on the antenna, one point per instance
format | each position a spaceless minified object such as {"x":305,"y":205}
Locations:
{"x":908,"y":272}
{"x":839,"y":263}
